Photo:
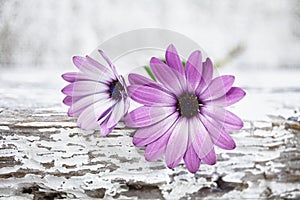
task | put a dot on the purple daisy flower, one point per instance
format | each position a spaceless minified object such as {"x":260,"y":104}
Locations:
{"x":96,"y":94}
{"x":183,"y":114}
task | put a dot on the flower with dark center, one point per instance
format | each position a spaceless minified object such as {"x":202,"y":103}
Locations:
{"x":96,"y":94}
{"x":183,"y":114}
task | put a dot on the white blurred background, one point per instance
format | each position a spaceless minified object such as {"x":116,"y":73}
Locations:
{"x":237,"y":33}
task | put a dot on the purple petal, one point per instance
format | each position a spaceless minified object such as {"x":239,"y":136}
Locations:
{"x":123,"y":83}
{"x":70,"y":76}
{"x":137,"y":79}
{"x":210,"y":158}
{"x":77,"y":107}
{"x":127,"y":106}
{"x":218,"y":134}
{"x":150,"y":96}
{"x":116,"y":114}
{"x":227,"y":119}
{"x":104,"y":129}
{"x":68,"y":100}
{"x":89,"y":118}
{"x":79,"y":61}
{"x":234,"y":95}
{"x":218,"y":87}
{"x":169,"y":77}
{"x":89,"y":67}
{"x":109,"y":63}
{"x":200,"y":138}
{"x":146,"y":116}
{"x":99,"y":66}
{"x":207,"y":74}
{"x":225,"y":141}
{"x":79,"y":76}
{"x":83,"y":88}
{"x":71,"y":113}
{"x":147,"y":135}
{"x":157,"y":148}
{"x":194,"y":70}
{"x":177,"y":143}
{"x":191,"y":160}
{"x":173,"y":60}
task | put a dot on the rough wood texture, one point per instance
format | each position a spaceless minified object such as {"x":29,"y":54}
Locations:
{"x":43,"y":155}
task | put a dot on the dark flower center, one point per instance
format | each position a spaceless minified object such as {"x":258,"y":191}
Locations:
{"x":115,"y":90}
{"x":188,"y":105}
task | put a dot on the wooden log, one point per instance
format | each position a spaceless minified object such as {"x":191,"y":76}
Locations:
{"x":43,"y":155}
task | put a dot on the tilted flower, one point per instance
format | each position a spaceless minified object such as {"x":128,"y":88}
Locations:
{"x":183,"y":114}
{"x":96,"y":94}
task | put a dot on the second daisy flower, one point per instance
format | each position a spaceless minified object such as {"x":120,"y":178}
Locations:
{"x":183,"y":114}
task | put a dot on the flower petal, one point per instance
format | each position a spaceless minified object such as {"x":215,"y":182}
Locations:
{"x":217,"y":88}
{"x":207,"y":74}
{"x":89,"y":118}
{"x":116,"y":114}
{"x":200,"y":139}
{"x":194,"y":70}
{"x":104,"y":129}
{"x":137,"y":79}
{"x":72,"y":77}
{"x":97,"y":71}
{"x":227,"y":119}
{"x":98,"y":65}
{"x":146,"y":116}
{"x":218,"y":134}
{"x":77,"y":107}
{"x":150,"y":96}
{"x":113,"y":118}
{"x":170,"y":78}
{"x":177,"y":143}
{"x":83,"y":88}
{"x":68,"y":100}
{"x":157,"y":148}
{"x":109,"y":63}
{"x":210,"y":158}
{"x":146,"y":135}
{"x":225,"y":141}
{"x":191,"y":160}
{"x":234,"y":95}
{"x":127,"y":105}
{"x":173,"y":60}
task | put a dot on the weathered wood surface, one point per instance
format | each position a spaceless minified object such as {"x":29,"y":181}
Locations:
{"x":43,"y":155}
